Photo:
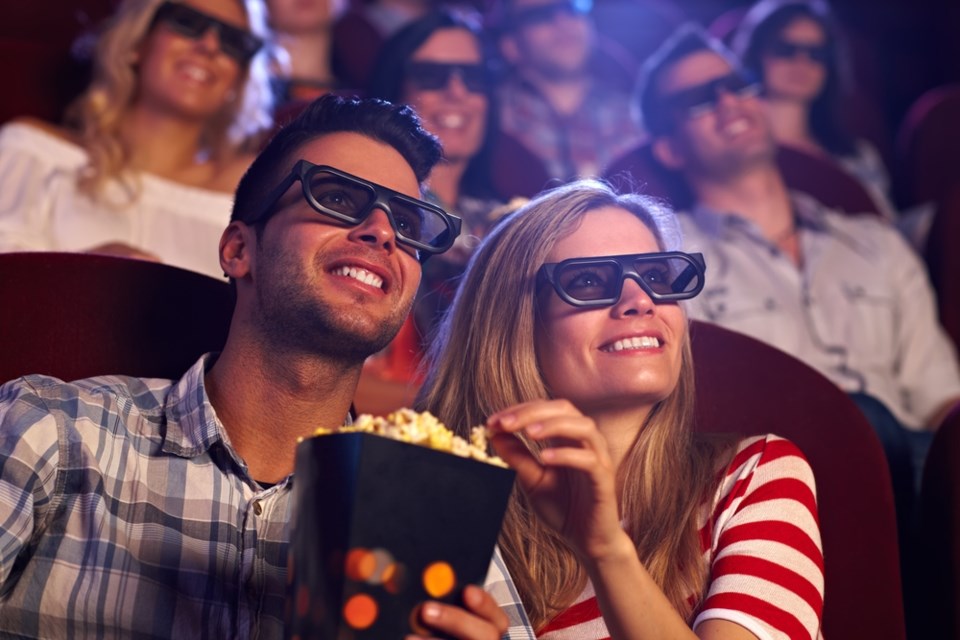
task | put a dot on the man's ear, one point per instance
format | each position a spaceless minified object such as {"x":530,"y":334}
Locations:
{"x":237,"y":244}
{"x":665,"y":151}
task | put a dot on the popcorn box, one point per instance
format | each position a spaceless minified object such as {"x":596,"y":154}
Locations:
{"x":378,"y":527}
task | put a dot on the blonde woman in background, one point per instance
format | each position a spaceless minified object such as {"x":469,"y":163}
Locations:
{"x":155,"y":146}
{"x":566,"y":338}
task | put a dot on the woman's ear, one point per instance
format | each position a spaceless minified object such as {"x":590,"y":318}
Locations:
{"x":237,"y":244}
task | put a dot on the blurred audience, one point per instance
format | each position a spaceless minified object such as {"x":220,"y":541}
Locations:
{"x":551,"y":99}
{"x":438,"y":65}
{"x":796,"y":48}
{"x":303,"y":29}
{"x":360,"y":33}
{"x":845,"y":294}
{"x":154,"y":148}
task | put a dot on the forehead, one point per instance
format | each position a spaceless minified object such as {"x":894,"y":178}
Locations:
{"x":449,"y":45}
{"x":230,"y":11}
{"x":363,"y":157}
{"x":804,"y":30}
{"x":608,"y":231}
{"x":692,"y":70}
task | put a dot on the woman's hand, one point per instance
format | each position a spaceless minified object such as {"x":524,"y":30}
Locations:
{"x":571,"y":484}
{"x":479,"y":619}
{"x":123,"y":250}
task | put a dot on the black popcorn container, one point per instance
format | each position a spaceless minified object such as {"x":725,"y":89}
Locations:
{"x":378,"y":527}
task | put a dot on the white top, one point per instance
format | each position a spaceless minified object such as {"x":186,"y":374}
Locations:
{"x":41,"y":209}
{"x":859,"y":309}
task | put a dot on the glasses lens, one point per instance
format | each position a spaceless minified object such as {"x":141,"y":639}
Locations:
{"x":190,"y":23}
{"x":589,"y":281}
{"x":668,"y":276}
{"x":429,"y":76}
{"x":416,"y":222}
{"x":341,"y":196}
{"x":237,"y":43}
{"x":184,"y":20}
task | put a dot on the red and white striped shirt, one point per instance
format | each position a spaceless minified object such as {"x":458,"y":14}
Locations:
{"x":761,"y":539}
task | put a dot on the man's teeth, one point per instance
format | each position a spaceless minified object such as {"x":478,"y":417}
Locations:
{"x":736,"y":127}
{"x":362,"y":275}
{"x":641,"y":342}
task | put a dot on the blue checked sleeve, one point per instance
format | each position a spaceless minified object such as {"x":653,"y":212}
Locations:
{"x":500,"y":585}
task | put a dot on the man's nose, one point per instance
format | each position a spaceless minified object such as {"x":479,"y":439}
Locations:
{"x":376,"y":230}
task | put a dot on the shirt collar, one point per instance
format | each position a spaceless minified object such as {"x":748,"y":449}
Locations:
{"x":192,"y":426}
{"x":809,"y":213}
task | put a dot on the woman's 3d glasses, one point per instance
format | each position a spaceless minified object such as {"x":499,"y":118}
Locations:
{"x":350,"y":199}
{"x":702,"y":99}
{"x":238,"y":43}
{"x":819,"y":53}
{"x":435,"y":76}
{"x":598,"y":282}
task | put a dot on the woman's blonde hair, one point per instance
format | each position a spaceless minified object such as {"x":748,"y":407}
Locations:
{"x":484,"y":360}
{"x":98,"y":113}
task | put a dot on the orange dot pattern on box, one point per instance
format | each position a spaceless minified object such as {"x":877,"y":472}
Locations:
{"x":424,"y":429}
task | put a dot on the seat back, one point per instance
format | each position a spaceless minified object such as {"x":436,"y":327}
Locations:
{"x":928,"y":145}
{"x":77,"y":315}
{"x":745,"y":386}
{"x":940,"y":535}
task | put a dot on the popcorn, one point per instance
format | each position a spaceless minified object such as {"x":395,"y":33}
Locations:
{"x":406,"y":425}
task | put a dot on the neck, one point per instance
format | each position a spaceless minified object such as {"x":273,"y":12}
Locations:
{"x":266,"y":401}
{"x":565,"y":94}
{"x":309,"y":55}
{"x":619,"y":426}
{"x":790,"y":123}
{"x":445,"y":181}
{"x":160,"y":143}
{"x":759,"y":195}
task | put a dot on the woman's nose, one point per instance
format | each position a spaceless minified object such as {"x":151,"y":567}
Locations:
{"x":633,"y":300}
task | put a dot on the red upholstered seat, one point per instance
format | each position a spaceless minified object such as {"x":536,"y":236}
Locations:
{"x":928,"y":145}
{"x":818,"y":176}
{"x":745,"y":386}
{"x":76,"y":315}
{"x":940,"y":537}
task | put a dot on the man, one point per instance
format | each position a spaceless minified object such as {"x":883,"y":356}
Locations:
{"x":552,"y":102}
{"x":844,"y":294}
{"x":157,"y":508}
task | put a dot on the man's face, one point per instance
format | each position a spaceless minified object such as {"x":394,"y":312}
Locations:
{"x":325,"y":287}
{"x":722,"y":136}
{"x":549,"y":38}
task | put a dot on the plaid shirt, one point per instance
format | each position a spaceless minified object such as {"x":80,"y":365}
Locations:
{"x":125,"y":512}
{"x":580,"y":145}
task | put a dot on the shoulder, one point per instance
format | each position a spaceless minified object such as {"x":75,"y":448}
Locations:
{"x":772,"y":463}
{"x":44,"y":142}
{"x":30,"y":126}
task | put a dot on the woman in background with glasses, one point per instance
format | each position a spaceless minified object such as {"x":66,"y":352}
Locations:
{"x":567,"y":339}
{"x":437,"y":64}
{"x":794,"y":47}
{"x":154,"y":147}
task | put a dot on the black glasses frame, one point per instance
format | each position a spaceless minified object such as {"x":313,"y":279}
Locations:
{"x":304,"y":170}
{"x":435,"y":76}
{"x":627,"y":268}
{"x":236,"y":42}
{"x":699,"y":100}
{"x":785,"y":50}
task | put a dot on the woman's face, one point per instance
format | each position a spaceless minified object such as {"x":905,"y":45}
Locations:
{"x":456,"y":110}
{"x":620,"y":357}
{"x":794,"y":63}
{"x":190,"y":77}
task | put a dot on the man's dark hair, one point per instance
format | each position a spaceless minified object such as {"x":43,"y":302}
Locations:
{"x":394,"y":125}
{"x":688,"y":38}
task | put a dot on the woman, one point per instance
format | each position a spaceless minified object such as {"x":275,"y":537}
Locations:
{"x":304,"y":31}
{"x":793,"y":46}
{"x":156,"y":144}
{"x":436,"y":64}
{"x":627,"y":524}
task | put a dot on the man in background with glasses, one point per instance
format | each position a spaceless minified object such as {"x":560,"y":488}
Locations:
{"x":560,"y":103}
{"x":845,"y":294}
{"x":158,"y":508}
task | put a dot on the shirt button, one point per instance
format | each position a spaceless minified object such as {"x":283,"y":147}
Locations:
{"x":257,"y":508}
